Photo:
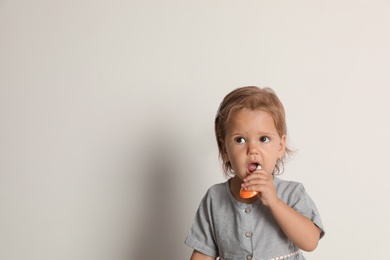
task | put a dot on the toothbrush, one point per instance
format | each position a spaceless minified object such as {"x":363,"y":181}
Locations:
{"x":247,"y":194}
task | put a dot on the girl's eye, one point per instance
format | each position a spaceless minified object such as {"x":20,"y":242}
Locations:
{"x":239,"y":140}
{"x":264,"y":139}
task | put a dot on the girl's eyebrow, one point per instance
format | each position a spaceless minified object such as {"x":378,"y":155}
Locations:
{"x":261,"y":133}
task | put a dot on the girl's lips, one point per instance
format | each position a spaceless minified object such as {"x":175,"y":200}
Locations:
{"x":253,"y":167}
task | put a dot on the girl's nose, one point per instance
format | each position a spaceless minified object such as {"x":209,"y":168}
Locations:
{"x":252,"y":149}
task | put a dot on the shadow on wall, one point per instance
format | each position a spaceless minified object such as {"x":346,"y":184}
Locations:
{"x":157,"y":235}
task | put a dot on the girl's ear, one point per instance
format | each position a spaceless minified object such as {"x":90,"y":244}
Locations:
{"x":282,"y":148}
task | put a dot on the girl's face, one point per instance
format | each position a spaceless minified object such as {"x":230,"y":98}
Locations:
{"x":251,"y":138}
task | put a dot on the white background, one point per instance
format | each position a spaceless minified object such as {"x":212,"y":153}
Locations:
{"x":107,"y":109}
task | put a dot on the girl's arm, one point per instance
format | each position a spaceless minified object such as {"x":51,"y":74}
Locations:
{"x":196,"y":255}
{"x":299,"y":229}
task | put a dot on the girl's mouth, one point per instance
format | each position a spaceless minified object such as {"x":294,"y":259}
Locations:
{"x":253,"y":167}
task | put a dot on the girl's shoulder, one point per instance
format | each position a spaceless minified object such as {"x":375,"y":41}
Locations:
{"x":286,"y":184}
{"x":217,"y":190}
{"x":289,"y":190}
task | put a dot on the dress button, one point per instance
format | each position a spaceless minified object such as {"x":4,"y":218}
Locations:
{"x":248,"y":234}
{"x":248,"y":210}
{"x":248,"y":257}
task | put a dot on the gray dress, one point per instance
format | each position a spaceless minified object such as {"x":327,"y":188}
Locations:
{"x":226,"y":228}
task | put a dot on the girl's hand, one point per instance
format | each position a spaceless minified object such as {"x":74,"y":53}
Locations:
{"x":299,"y":229}
{"x":262,"y":182}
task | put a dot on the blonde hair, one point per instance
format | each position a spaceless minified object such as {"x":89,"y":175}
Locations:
{"x":253,"y":98}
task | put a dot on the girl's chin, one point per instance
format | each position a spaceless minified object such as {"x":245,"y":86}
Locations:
{"x":239,"y":179}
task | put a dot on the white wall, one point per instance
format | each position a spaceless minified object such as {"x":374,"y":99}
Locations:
{"x":107,"y":107}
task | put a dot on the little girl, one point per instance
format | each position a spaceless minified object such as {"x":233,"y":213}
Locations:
{"x":279,"y":221}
